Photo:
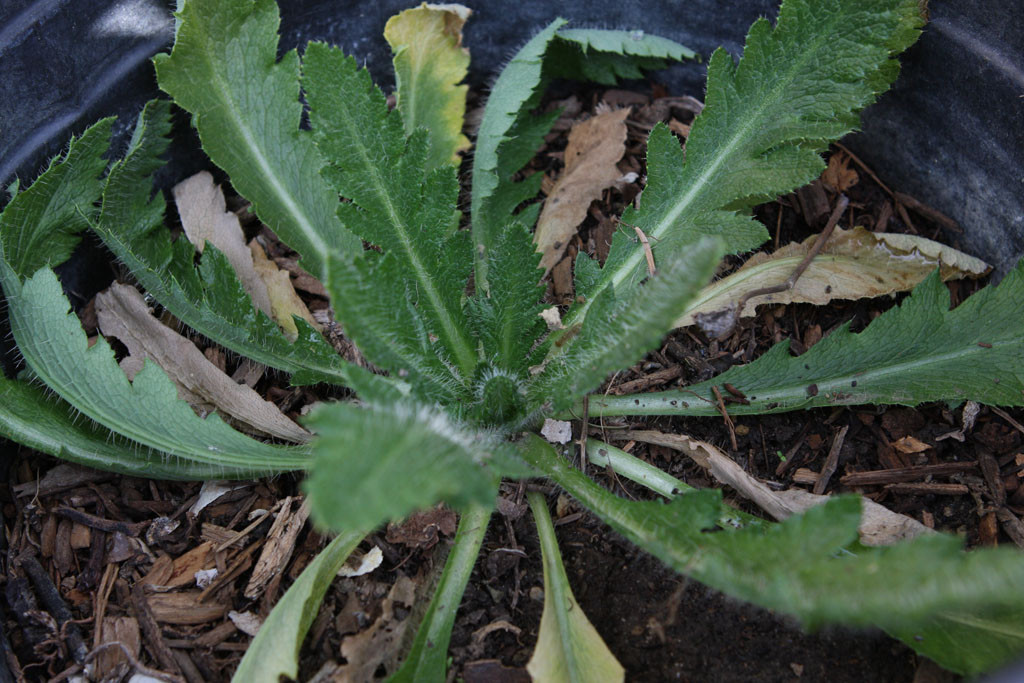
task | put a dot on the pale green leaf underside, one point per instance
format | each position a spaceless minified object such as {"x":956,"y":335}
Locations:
{"x":919,"y":351}
{"x":516,"y":86}
{"x":210,"y":299}
{"x":224,"y":70}
{"x":274,"y":652}
{"x":765,"y":122}
{"x":146,"y":410}
{"x":44,"y":422}
{"x":569,"y":648}
{"x":427,"y":659}
{"x":801,"y":567}
{"x":379,"y":463}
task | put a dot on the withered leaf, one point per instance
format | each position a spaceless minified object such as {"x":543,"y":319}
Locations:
{"x":878,"y":525}
{"x":204,"y":217}
{"x":853,"y":264}
{"x":838,"y":175}
{"x":284,"y":301}
{"x":122,"y":313}
{"x":594,"y":148}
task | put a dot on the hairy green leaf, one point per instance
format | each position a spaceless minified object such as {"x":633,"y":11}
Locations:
{"x":621,"y":330}
{"x":427,"y":659}
{"x":569,"y":649}
{"x":146,"y":410}
{"x":379,"y":463}
{"x":804,"y":567}
{"x":40,"y":225}
{"x":765,"y":123}
{"x":210,"y":299}
{"x":274,"y":652}
{"x":245,"y":104}
{"x":608,"y":56}
{"x":916,"y":352}
{"x":429,"y":63}
{"x":397,"y":342}
{"x":396,"y":202}
{"x":963,"y":642}
{"x":506,"y":319}
{"x":44,"y":422}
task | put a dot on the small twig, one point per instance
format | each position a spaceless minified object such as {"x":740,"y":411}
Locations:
{"x":725,"y":416}
{"x":55,"y":605}
{"x":864,"y":167}
{"x":648,"y":254}
{"x":819,"y":243}
{"x":1006,"y":416}
{"x":151,"y":630}
{"x":133,"y":661}
{"x":830,"y":462}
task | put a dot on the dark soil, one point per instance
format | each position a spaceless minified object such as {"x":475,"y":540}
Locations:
{"x":660,"y":625}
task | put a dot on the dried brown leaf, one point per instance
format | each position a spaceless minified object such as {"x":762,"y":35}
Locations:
{"x":205,"y":219}
{"x":122,"y":313}
{"x":853,"y":264}
{"x":838,"y":176}
{"x":909,"y":445}
{"x":594,"y":148}
{"x":284,"y":301}
{"x":878,"y":525}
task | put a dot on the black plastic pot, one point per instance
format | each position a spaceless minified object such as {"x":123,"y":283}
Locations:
{"x":950,"y":133}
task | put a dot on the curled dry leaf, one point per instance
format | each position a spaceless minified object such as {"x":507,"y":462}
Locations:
{"x":878,"y":525}
{"x":594,"y":148}
{"x":122,"y":313}
{"x":363,"y":565}
{"x":853,"y":264}
{"x":910,"y":445}
{"x":284,"y":301}
{"x":205,"y":218}
{"x":838,"y":175}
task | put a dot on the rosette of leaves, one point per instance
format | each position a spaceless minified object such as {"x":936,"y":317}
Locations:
{"x":450,"y":315}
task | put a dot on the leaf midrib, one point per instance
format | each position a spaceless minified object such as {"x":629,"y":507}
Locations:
{"x":302,"y":220}
{"x":633,"y":259}
{"x":798,"y":391}
{"x":453,"y":334}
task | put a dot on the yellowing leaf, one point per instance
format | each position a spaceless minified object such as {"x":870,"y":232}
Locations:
{"x":854,"y":264}
{"x":122,"y":313}
{"x":569,"y":648}
{"x":429,"y":61}
{"x":594,"y":147}
{"x":284,"y":301}
{"x":204,"y":217}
